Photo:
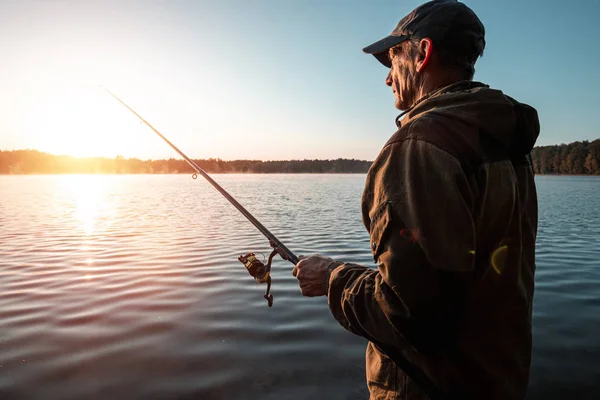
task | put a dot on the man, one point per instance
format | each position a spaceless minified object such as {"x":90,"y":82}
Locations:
{"x":450,"y":205}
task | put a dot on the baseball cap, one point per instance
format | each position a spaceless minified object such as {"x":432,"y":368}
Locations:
{"x":438,"y":20}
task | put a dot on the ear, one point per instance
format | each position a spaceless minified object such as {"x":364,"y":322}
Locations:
{"x":425,"y":51}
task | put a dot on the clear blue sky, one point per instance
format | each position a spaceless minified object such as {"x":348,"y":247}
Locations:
{"x":263,"y":79}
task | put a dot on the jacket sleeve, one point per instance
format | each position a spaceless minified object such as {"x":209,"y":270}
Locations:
{"x":422,"y":237}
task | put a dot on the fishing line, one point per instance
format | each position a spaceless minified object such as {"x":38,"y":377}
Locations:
{"x":257,"y":269}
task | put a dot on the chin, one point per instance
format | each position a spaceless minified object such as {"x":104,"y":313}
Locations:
{"x":400,"y":106}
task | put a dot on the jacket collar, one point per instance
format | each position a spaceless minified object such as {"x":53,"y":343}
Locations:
{"x":454,"y":87}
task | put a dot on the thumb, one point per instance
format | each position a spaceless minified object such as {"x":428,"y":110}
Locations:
{"x":295,"y":270}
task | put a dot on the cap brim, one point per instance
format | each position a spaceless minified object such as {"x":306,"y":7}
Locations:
{"x":380,"y":48}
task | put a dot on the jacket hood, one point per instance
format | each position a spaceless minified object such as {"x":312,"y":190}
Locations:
{"x":512,"y":125}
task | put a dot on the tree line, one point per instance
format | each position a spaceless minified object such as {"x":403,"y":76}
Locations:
{"x":36,"y":162}
{"x":577,"y":158}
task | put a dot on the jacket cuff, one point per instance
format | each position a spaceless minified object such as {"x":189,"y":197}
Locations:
{"x":330,"y":269}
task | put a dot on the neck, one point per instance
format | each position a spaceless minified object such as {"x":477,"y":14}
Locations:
{"x":428,"y":86}
{"x":432,"y":83}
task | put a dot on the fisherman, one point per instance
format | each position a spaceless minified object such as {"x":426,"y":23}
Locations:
{"x":451,"y":209}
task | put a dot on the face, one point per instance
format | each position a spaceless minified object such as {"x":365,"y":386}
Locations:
{"x":403,"y":78}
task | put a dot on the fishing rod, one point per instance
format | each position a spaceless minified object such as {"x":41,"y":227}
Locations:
{"x":258,"y":270}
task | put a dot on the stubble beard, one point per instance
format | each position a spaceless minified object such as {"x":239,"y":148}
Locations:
{"x":412,"y":82}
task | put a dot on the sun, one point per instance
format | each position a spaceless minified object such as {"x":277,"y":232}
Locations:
{"x":77,"y":117}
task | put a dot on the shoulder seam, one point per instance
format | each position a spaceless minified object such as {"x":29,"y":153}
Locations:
{"x":406,"y":139}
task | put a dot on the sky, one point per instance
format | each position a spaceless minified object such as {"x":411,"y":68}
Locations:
{"x":266,"y":80}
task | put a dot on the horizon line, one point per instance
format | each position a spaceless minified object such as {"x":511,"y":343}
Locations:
{"x":245,"y":159}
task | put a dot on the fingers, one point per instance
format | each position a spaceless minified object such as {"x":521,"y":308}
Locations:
{"x":309,"y":290}
{"x":310,"y":272}
{"x":305,"y":290}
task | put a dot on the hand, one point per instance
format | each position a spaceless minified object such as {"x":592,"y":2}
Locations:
{"x":312,"y":274}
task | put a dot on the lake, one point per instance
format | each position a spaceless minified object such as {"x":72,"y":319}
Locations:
{"x":128,"y":286}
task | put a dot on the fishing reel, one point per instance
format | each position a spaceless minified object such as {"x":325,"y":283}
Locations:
{"x":259,"y":271}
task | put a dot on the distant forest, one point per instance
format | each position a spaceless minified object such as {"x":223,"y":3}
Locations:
{"x":577,"y":158}
{"x":35,"y":162}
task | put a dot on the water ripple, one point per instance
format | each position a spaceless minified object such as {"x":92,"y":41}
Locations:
{"x":129,"y":287}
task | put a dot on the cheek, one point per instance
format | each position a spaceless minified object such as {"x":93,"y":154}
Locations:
{"x":397,"y":78}
{"x":401,"y":78}
{"x":406,"y":77}
{"x":400,"y":81}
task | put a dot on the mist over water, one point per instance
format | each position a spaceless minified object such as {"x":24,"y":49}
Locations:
{"x":129,"y":287}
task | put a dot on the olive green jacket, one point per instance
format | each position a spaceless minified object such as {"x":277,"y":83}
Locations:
{"x":450,"y":205}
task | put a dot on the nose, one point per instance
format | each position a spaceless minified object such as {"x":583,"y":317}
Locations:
{"x":388,"y":79}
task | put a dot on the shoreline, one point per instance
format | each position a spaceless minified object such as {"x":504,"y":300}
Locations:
{"x":186,"y":173}
{"x":227,"y":173}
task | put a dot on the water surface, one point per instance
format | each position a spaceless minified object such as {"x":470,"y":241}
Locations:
{"x":129,"y":286}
